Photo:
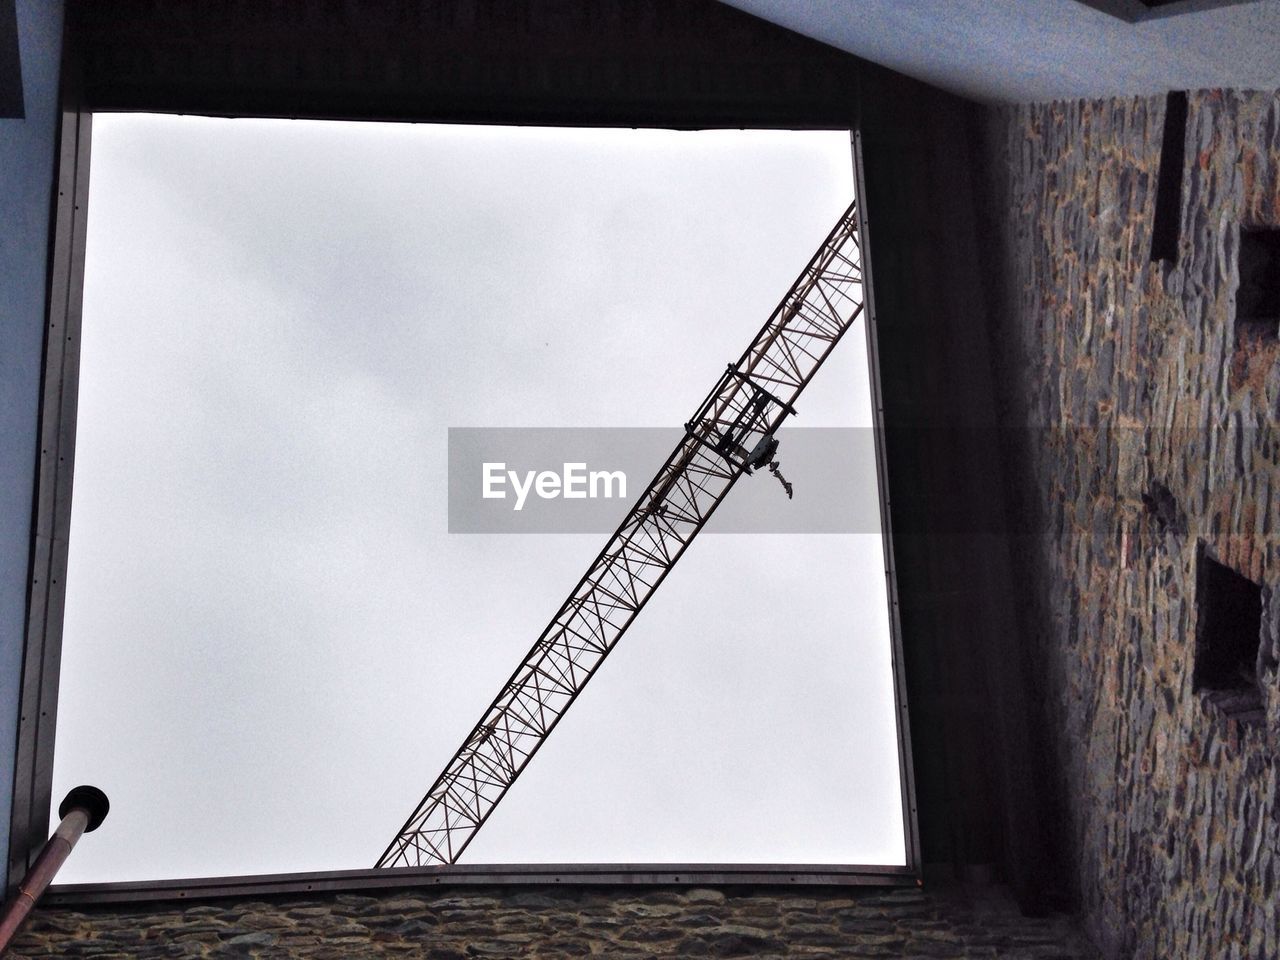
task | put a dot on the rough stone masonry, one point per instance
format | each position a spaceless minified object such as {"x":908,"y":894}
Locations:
{"x":619,"y":923}
{"x":1146,"y":415}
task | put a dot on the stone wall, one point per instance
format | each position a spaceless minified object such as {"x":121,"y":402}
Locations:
{"x":1149,"y":418}
{"x":533,"y":922}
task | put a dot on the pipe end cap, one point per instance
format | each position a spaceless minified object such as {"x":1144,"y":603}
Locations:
{"x":92,"y":800}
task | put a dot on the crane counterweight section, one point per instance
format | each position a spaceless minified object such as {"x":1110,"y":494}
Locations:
{"x":731,"y":432}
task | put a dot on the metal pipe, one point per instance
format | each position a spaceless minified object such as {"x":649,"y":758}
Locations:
{"x":82,"y":811}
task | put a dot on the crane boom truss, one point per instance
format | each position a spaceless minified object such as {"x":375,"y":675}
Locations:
{"x":738,"y":417}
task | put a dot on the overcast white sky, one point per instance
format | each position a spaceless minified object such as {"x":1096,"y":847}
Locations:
{"x":273,"y":645}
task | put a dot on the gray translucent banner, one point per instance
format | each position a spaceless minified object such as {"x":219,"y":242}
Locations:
{"x":584,"y":480}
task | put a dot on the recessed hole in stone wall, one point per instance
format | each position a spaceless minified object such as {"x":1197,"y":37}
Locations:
{"x":1229,"y":626}
{"x":1161,"y":505}
{"x":1258,"y":296}
{"x":1168,"y":213}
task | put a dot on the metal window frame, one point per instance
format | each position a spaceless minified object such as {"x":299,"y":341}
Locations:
{"x":42,"y":656}
{"x":38,"y":707}
{"x":464,"y":875}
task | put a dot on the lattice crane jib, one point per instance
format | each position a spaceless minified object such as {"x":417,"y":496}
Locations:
{"x":730,"y":433}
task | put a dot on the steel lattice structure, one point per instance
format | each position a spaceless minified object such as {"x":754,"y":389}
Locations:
{"x":731,"y":433}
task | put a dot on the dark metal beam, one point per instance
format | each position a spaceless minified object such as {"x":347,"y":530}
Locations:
{"x":673,"y":63}
{"x":12,"y":103}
